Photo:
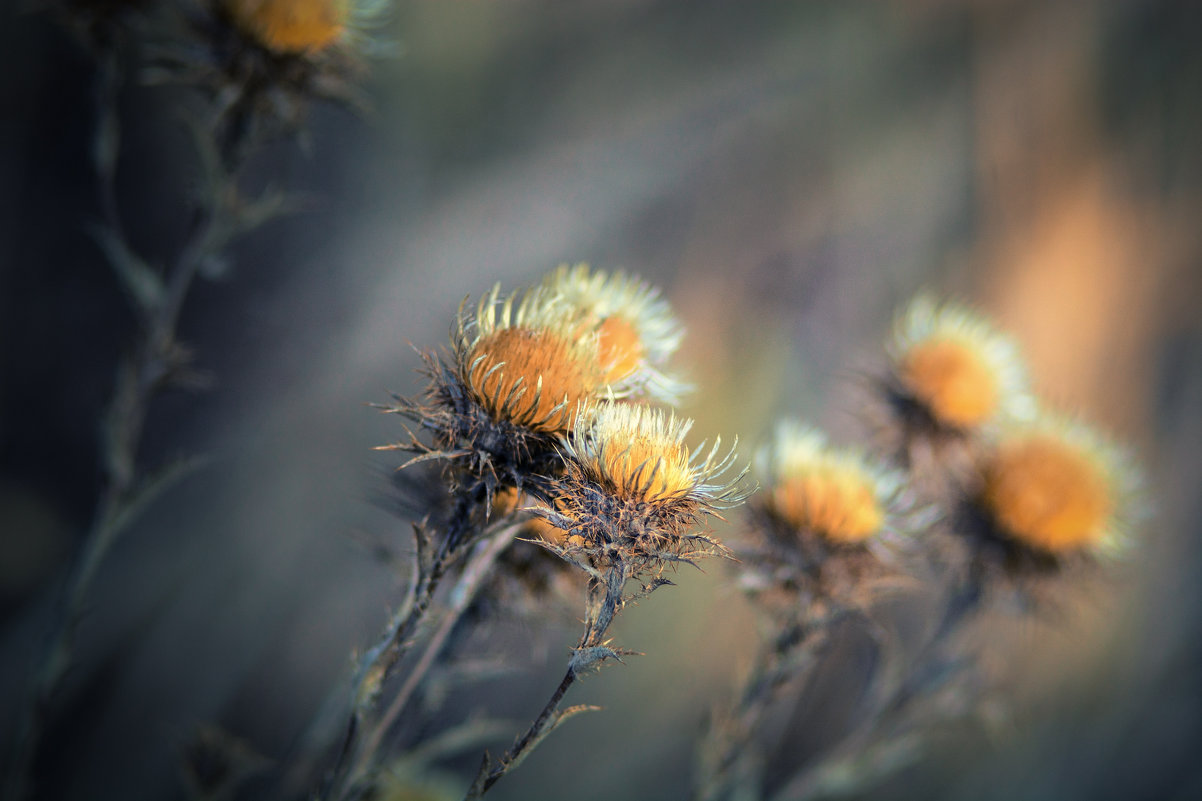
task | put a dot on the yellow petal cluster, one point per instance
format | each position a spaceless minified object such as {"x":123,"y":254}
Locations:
{"x":811,"y":487}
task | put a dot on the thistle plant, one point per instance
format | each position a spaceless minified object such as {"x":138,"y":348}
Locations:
{"x":825,"y":534}
{"x":503,"y":414}
{"x":951,"y":375}
{"x":232,"y":119}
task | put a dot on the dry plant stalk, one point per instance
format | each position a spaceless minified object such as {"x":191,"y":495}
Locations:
{"x":235,"y":118}
{"x":824,"y":539}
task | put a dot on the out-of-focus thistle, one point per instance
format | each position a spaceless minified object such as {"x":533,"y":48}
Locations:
{"x":247,"y":85}
{"x":1056,"y":487}
{"x":290,"y":26}
{"x":1022,"y":495}
{"x":627,"y":504}
{"x":824,"y":526}
{"x":262,"y":61}
{"x":1048,"y":496}
{"x":952,"y":375}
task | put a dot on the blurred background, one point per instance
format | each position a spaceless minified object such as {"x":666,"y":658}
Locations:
{"x":789,"y":173}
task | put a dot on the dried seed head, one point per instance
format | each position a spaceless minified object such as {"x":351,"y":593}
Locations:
{"x":1056,"y":487}
{"x":638,"y":453}
{"x":957,"y":367}
{"x":290,"y":26}
{"x":633,"y":490}
{"x":523,"y":361}
{"x":635,"y":329}
{"x":837,"y":494}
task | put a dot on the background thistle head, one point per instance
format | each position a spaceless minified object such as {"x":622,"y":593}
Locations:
{"x":955,"y":369}
{"x":636,"y":331}
{"x":1056,"y":487}
{"x":825,"y":520}
{"x":838,"y":495}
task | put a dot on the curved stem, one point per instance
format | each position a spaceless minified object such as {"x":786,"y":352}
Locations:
{"x":139,"y":378}
{"x":601,"y":615}
{"x":477,"y":571}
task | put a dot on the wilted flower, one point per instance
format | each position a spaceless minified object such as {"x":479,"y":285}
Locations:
{"x":838,"y":495}
{"x":1057,"y":488}
{"x":523,"y":361}
{"x":262,"y":61}
{"x":825,"y":515}
{"x":523,"y":364}
{"x":955,"y":368}
{"x":290,"y":26}
{"x":633,"y":489}
{"x":635,"y":329}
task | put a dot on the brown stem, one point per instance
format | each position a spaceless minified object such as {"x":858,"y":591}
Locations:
{"x":463,"y":594}
{"x":599,"y":619}
{"x":139,"y":378}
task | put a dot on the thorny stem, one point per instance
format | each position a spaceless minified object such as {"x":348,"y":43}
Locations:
{"x":475,"y":573}
{"x":380,"y":661}
{"x":599,"y":619}
{"x":139,"y":378}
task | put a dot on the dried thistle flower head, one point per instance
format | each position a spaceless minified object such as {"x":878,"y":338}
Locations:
{"x":263,"y":61}
{"x":1058,"y":488}
{"x":838,"y":495}
{"x":523,"y":360}
{"x":635,"y":329}
{"x":637,"y":453}
{"x":290,"y":26}
{"x":633,"y":488}
{"x":956,"y":367}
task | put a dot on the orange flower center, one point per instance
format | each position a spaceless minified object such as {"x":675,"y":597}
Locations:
{"x":511,"y":391}
{"x":835,"y":505}
{"x":1047,"y":494}
{"x":952,"y":380}
{"x":648,"y":469}
{"x":290,"y":26}
{"x":620,"y":348}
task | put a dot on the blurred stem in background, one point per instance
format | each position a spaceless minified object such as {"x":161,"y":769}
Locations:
{"x":235,"y":118}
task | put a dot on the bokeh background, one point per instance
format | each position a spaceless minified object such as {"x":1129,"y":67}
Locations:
{"x":788,"y":173}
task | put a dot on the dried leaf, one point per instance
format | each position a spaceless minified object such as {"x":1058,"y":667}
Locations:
{"x":138,"y":278}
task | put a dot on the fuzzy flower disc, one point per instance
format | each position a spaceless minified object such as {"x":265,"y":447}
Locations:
{"x":835,"y":494}
{"x":637,"y":453}
{"x":1055,"y":489}
{"x":635,"y":330}
{"x":291,"y":26}
{"x":540,"y":370}
{"x":955,"y":365}
{"x":621,"y":350}
{"x":523,"y":363}
{"x":952,"y":380}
